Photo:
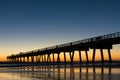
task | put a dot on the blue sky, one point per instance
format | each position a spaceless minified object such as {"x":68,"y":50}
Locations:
{"x":33,"y":24}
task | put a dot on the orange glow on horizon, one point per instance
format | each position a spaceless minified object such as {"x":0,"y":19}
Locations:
{"x":115,"y":53}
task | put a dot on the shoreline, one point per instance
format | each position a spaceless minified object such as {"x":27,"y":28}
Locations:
{"x":115,"y":64}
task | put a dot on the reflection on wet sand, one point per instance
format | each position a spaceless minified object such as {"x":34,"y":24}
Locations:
{"x":65,"y":73}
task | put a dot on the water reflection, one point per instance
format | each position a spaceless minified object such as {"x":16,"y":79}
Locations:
{"x":62,"y":73}
{"x":65,"y":72}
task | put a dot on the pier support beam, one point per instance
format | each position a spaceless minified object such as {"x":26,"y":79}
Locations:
{"x":48,"y":58}
{"x":44,"y":58}
{"x":23,"y":59}
{"x":27,"y":58}
{"x":93,"y":58}
{"x":80,"y":57}
{"x":36,"y":58}
{"x":87,"y":56}
{"x":109,"y":54}
{"x":40,"y":58}
{"x":64,"y":57}
{"x":71,"y":56}
{"x":17,"y":59}
{"x":20,"y":59}
{"x":53,"y":58}
{"x":102,"y":56}
{"x":32,"y":59}
{"x":58,"y":58}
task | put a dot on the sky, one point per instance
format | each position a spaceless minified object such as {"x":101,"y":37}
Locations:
{"x":27,"y":25}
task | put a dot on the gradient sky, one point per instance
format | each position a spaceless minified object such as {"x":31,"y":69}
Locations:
{"x":31,"y":24}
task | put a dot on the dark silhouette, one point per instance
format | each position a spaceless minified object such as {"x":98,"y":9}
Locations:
{"x":100,"y":42}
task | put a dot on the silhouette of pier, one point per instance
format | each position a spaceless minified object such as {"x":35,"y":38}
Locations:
{"x":47,"y":55}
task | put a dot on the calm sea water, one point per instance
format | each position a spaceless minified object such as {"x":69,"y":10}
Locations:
{"x":59,"y":73}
